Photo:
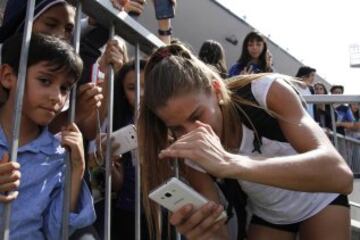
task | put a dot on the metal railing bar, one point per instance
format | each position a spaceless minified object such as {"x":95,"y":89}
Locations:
{"x":125,"y":26}
{"x":71,"y":118}
{"x":135,"y":154}
{"x":20,"y":86}
{"x":108,"y":158}
{"x":319,"y":98}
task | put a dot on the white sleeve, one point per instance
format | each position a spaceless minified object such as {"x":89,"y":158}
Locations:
{"x":260,"y":89}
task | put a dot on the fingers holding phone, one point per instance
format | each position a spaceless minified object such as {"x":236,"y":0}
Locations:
{"x":202,"y":223}
{"x":122,"y":140}
{"x":193,"y":215}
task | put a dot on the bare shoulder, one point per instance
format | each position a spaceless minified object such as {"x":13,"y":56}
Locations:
{"x":283,"y":100}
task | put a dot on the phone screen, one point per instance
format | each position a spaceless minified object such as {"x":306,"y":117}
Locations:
{"x":164,"y":9}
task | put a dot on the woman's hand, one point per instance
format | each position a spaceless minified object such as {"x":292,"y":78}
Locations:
{"x":88,"y":95}
{"x":136,"y":7}
{"x":200,"y":224}
{"x":114,"y":54}
{"x":247,"y":70}
{"x":9,"y":179}
{"x":72,"y":139}
{"x":202,"y":146}
{"x":118,"y":4}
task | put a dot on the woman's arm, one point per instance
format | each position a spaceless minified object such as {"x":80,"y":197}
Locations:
{"x":317,"y":167}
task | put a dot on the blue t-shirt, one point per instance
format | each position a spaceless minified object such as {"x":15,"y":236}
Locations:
{"x":344,"y":114}
{"x":237,"y":68}
{"x":37,"y":211}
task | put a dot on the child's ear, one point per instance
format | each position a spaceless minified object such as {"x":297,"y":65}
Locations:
{"x":7,"y":77}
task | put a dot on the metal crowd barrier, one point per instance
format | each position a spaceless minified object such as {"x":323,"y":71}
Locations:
{"x":131,"y":31}
{"x":346,"y":145}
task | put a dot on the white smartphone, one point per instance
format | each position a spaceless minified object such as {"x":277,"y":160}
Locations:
{"x":175,"y":194}
{"x":126,"y":138}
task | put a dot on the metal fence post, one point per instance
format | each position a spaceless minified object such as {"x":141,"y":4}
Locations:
{"x":108,"y":161}
{"x":20,"y":86}
{"x":136,"y":152}
{"x":71,"y":118}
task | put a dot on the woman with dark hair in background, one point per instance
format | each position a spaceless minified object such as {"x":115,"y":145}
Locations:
{"x":212,"y":53}
{"x":253,"y":58}
{"x":322,"y":111}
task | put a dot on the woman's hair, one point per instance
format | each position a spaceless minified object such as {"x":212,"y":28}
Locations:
{"x":14,"y":15}
{"x":322,"y":85}
{"x":174,"y":71}
{"x":123,"y":111}
{"x":59,"y":55}
{"x":245,"y":56}
{"x":212,"y":53}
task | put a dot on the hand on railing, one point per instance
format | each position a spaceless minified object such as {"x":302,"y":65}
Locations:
{"x":72,"y":139}
{"x":89,"y":95}
{"x":118,"y":4}
{"x":114,"y":54}
{"x":9,"y":179}
{"x":134,"y":8}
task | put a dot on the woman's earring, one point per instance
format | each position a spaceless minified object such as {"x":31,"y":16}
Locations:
{"x":221,"y":102}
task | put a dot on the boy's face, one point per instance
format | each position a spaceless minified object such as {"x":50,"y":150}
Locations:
{"x":46,"y":92}
{"x":57,"y":21}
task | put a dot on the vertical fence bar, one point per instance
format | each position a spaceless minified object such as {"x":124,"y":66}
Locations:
{"x":20,"y":86}
{"x":71,"y":118}
{"x":108,"y":163}
{"x":137,"y":166}
{"x":333,"y":125}
{"x":177,"y":175}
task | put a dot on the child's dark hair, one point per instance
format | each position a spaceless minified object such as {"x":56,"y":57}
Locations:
{"x":59,"y":55}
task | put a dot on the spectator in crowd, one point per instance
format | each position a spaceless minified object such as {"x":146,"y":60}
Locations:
{"x":355,"y":111}
{"x":212,"y":53}
{"x":53,"y":68}
{"x":322,"y":112}
{"x":253,"y":58}
{"x":286,"y":178}
{"x":55,"y":17}
{"x":306,"y":75}
{"x":356,"y":131}
{"x":344,"y":116}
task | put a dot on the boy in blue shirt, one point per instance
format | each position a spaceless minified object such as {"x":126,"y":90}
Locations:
{"x":37,"y":193}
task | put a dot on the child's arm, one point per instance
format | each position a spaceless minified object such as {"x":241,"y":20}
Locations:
{"x":72,"y":139}
{"x":9,"y":179}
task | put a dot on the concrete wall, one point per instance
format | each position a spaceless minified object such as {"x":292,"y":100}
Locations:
{"x":199,"y":20}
